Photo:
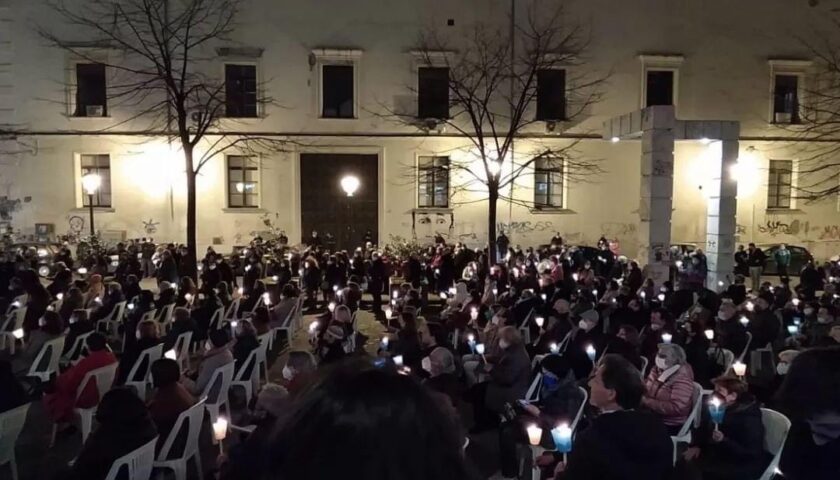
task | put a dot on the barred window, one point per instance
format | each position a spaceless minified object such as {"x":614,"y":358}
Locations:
{"x":548,"y":182}
{"x":779,"y":184}
{"x":243,"y":181}
{"x":99,"y":165}
{"x":433,"y":182}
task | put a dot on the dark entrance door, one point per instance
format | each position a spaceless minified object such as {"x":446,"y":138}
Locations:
{"x":327,"y":209}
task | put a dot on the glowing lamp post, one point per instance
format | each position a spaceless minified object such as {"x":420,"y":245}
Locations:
{"x":91,"y":183}
{"x":350,"y":184}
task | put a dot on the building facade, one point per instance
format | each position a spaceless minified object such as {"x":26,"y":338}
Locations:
{"x":331,"y":66}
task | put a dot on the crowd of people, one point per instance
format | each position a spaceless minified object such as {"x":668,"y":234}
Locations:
{"x":469,"y":349}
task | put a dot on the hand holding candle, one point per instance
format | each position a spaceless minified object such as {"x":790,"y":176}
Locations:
{"x":739,"y":368}
{"x":384,"y":343}
{"x":170,"y":354}
{"x":590,"y":352}
{"x":479,"y":349}
{"x":667,"y":337}
{"x":540,"y":321}
{"x":554,"y":348}
{"x":562,"y":436}
{"x":471,"y":342}
{"x":716,"y":411}
{"x":534,"y":434}
{"x":710,"y":334}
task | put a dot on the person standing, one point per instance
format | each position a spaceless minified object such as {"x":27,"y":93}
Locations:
{"x":782,"y":257}
{"x":741,"y":267}
{"x":502,"y":244}
{"x":378,"y":280}
{"x":755,"y":261}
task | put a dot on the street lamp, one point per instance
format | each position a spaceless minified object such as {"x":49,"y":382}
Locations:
{"x":350,"y":184}
{"x":91,"y":183}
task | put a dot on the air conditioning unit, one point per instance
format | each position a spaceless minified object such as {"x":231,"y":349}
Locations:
{"x":782,"y":117}
{"x":433,"y":125}
{"x":94,"y":110}
{"x":550,"y":126}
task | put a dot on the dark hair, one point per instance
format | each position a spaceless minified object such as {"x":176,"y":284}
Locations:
{"x":620,"y":375}
{"x":96,"y":342}
{"x":53,"y":324}
{"x":219,"y":337}
{"x":731,"y":384}
{"x":122,"y":408}
{"x":289,"y":291}
{"x":165,"y":372}
{"x":358,"y":421}
{"x":261,"y":316}
{"x":812,"y":384}
{"x":181,"y":314}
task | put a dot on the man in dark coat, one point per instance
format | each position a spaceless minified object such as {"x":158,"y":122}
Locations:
{"x":378,"y":279}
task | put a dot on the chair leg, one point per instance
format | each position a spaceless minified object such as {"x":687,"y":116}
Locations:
{"x":13,"y":466}
{"x":198,"y":467}
{"x":86,"y":420}
{"x":52,"y":436}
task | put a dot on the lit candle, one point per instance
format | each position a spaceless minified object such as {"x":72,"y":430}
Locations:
{"x":643,"y":295}
{"x":797,"y":321}
{"x":398,"y":360}
{"x":247,"y":268}
{"x":443,"y":295}
{"x":335,"y":288}
{"x":266,"y":298}
{"x":540,"y":321}
{"x":313,"y":327}
{"x":479,"y":349}
{"x":241,"y":290}
{"x":710,"y":334}
{"x":679,"y":263}
{"x":170,"y":354}
{"x":544,"y":297}
{"x":590,"y":352}
{"x":220,"y":427}
{"x":188,"y":297}
{"x":276,"y":278}
{"x":474,"y":313}
{"x":595,"y":293}
{"x":661,"y":297}
{"x":575,"y":277}
{"x":793,"y":329}
{"x":471,"y":342}
{"x":452,"y":290}
{"x":750,"y":306}
{"x":534,"y":434}
{"x":716,"y":411}
{"x":795,"y":302}
{"x":131,"y":306}
{"x":82,"y":271}
{"x":666,"y":337}
{"x":554,"y":348}
{"x":384,"y":343}
{"x":744,"y":320}
{"x":720,"y":283}
{"x":300,"y":272}
{"x":562,"y":436}
{"x":739,"y":368}
{"x":331,"y":307}
{"x":495,"y":291}
{"x":18,"y":333}
{"x":60,"y":296}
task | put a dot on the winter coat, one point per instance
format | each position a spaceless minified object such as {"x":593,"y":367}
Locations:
{"x":670,"y":396}
{"x":509,"y":378}
{"x":59,"y":403}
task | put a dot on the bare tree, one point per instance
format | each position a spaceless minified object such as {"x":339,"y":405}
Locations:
{"x":160,"y":57}
{"x":493,"y":85}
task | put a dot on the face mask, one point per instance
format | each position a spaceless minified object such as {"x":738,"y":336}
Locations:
{"x":724,"y":316}
{"x":503,"y":344}
{"x":550,"y":383}
{"x":782,"y":368}
{"x":583,"y":325}
{"x":809,"y":311}
{"x":495,"y":320}
{"x":212,"y":266}
{"x":660,"y":364}
{"x":426,"y":364}
{"x":42,"y":323}
{"x":208,"y":346}
{"x":655,"y":327}
{"x":288,"y":373}
{"x":823,"y":320}
{"x":137,"y":334}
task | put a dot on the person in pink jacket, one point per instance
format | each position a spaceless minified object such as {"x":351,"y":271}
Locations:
{"x":669,"y":388}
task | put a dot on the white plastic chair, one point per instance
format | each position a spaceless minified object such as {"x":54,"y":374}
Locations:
{"x":645,"y":362}
{"x":684,"y":435}
{"x":138,"y":463}
{"x":104,"y":379}
{"x":151,"y":354}
{"x":537,"y":450}
{"x":76,"y":351}
{"x":776,"y":428}
{"x":722,"y":354}
{"x":298,"y":318}
{"x":232,"y":309}
{"x":746,"y":347}
{"x":165,"y":317}
{"x":525,"y":328}
{"x":262,"y":354}
{"x":216,"y":319}
{"x":223,"y":376}
{"x":11,"y":424}
{"x":13,"y":321}
{"x":534,"y":390}
{"x":288,"y":326}
{"x":113,"y":320}
{"x":52,"y":352}
{"x":193,"y":416}
{"x":251,"y":383}
{"x":182,"y":350}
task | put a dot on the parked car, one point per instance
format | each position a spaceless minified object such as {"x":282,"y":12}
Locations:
{"x":38,"y":256}
{"x":799,"y":256}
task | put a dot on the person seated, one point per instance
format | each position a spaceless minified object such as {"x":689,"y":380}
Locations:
{"x":186,"y":287}
{"x":14,"y":395}
{"x":217,"y":354}
{"x":729,"y":332}
{"x":298,"y":371}
{"x":124,"y":425}
{"x":280,"y":311}
{"x":146,"y":337}
{"x":509,"y":372}
{"x":207,"y":304}
{"x":330,"y":346}
{"x":131,"y":287}
{"x":224,"y":293}
{"x":62,"y":282}
{"x":358,"y":409}
{"x":651,"y":336}
{"x":815,"y":331}
{"x":810,"y":397}
{"x":737,"y":291}
{"x":182,"y":322}
{"x":408,"y":342}
{"x":95,"y":291}
{"x":50,"y":327}
{"x":166,"y":296}
{"x":169,"y":397}
{"x":622,"y":442}
{"x":692,"y":338}
{"x":734,"y":449}
{"x":261,"y":321}
{"x":246,"y":342}
{"x":588,"y":333}
{"x":559,"y":402}
{"x":113,"y":296}
{"x":669,"y":388}
{"x":78,"y":324}
{"x":61,"y":398}
{"x":440,"y":366}
{"x":833,"y":338}
{"x":765,"y":326}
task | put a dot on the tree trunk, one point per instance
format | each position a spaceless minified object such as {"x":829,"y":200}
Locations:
{"x":190,"y":264}
{"x":492,"y":198}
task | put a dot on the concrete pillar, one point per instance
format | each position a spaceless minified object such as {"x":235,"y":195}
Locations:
{"x":722,"y":208}
{"x":657,"y":177}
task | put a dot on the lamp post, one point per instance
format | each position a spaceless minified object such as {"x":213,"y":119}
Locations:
{"x":350,"y":184}
{"x":91,"y":183}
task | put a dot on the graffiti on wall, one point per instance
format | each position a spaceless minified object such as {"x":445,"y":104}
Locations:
{"x":830,"y":232}
{"x":778,"y":227}
{"x":615,"y":230}
{"x":740,"y":229}
{"x":525,"y":227}
{"x":150,"y":227}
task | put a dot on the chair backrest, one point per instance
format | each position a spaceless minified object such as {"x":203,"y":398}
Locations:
{"x":19,"y":302}
{"x":104,"y":378}
{"x":582,"y":407}
{"x":116,"y":314}
{"x":151,"y":354}
{"x":249,"y":366}
{"x":78,"y":348}
{"x":724,"y":355}
{"x":138,"y":463}
{"x":216,"y":319}
{"x":51,"y":352}
{"x":259,"y":303}
{"x":534,"y":389}
{"x":14,"y":320}
{"x":696,"y":405}
{"x":182,"y":345}
{"x":776,"y":428}
{"x":645,"y":362}
{"x":221,"y":378}
{"x":233,"y":308}
{"x":290,"y":317}
{"x":11,"y":424}
{"x":746,"y":347}
{"x":193,"y":417}
{"x":165,"y":317}
{"x":149,"y":316}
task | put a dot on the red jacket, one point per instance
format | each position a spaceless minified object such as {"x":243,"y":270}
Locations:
{"x":672,"y":399}
{"x":60,"y":403}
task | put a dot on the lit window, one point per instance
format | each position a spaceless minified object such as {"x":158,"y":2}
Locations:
{"x":240,"y":91}
{"x":779,"y":184}
{"x":91,"y":92}
{"x":433,"y":182}
{"x":243,"y":181}
{"x":548,"y":182}
{"x":99,"y":165}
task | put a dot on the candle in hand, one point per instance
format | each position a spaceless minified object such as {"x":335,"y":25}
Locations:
{"x":750,"y":306}
{"x":313,"y":327}
{"x":716,"y":411}
{"x":18,"y":333}
{"x":398,"y":360}
{"x":554,"y":348}
{"x":744,"y":321}
{"x":739,"y":368}
{"x":220,"y":428}
{"x":170,"y":354}
{"x":384,"y":343}
{"x":562,"y":436}
{"x":793,"y":329}
{"x":534,"y":434}
{"x":667,"y":337}
{"x":540,"y":321}
{"x":710,"y":334}
{"x":479,"y":349}
{"x":590,"y":352}
{"x":661,"y":297}
{"x":331,"y":307}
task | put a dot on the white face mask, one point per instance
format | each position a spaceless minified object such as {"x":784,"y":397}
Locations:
{"x":782,"y":368}
{"x":42,"y":323}
{"x":655,"y":327}
{"x":137,"y":334}
{"x":495,"y":320}
{"x":583,"y":325}
{"x":809,"y":311}
{"x":503,"y":344}
{"x":660,"y":364}
{"x":823,"y":320}
{"x":288,"y":373}
{"x":426,"y":364}
{"x":208,"y":346}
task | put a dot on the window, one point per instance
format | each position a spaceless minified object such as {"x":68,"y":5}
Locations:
{"x":337,"y":88}
{"x":660,"y":87}
{"x":99,"y":165}
{"x":240,"y":91}
{"x":551,"y":94}
{"x":433,"y":92}
{"x":779,"y":184}
{"x":433,"y":182}
{"x":91,"y":98}
{"x":243,"y":181}
{"x":548,"y":182}
{"x":786,"y":99}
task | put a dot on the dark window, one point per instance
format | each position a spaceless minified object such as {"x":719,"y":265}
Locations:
{"x":337,"y":91}
{"x":99,"y":165}
{"x":551,"y":94}
{"x":660,"y":87}
{"x":91,"y":100}
{"x":548,"y":182}
{"x":433,"y":92}
{"x":243,"y":182}
{"x":786,"y":99}
{"x":779,"y":184}
{"x":240,"y":91}
{"x":433,"y":182}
